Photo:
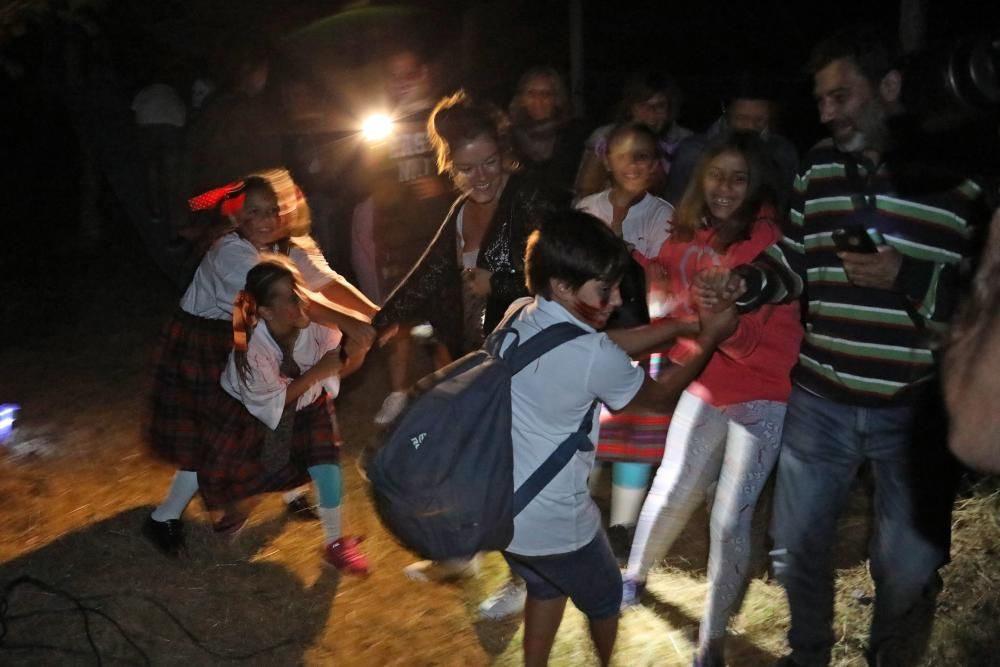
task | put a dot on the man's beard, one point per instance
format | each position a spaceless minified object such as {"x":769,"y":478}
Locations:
{"x":857,"y":142}
{"x":869,"y":133}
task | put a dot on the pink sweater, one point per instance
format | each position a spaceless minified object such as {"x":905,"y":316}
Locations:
{"x":755,"y":362}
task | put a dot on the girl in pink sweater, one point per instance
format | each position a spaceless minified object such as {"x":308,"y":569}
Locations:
{"x":726,"y":429}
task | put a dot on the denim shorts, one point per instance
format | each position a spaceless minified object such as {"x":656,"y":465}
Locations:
{"x":588,"y":576}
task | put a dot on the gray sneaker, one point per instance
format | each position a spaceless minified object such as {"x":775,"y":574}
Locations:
{"x":632,"y":592}
{"x":506,"y":601}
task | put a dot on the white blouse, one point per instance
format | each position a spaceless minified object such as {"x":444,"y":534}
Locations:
{"x":223,"y":273}
{"x":264,"y":393}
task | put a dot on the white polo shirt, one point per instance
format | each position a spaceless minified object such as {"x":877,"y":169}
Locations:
{"x":549,"y":400}
{"x":646,"y":225}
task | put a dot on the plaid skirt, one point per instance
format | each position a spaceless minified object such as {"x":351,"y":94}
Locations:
{"x":232,"y":469}
{"x":631,"y":438}
{"x":188,"y":365}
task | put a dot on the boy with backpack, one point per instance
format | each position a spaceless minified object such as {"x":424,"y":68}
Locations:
{"x":523,"y":407}
{"x":573,"y":266}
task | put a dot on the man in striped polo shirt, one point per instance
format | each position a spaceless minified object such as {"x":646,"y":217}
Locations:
{"x":867,"y":367}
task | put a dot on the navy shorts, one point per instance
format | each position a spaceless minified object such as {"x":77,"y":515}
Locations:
{"x":588,"y":576}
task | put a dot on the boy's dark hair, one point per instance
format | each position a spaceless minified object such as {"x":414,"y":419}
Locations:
{"x":574,"y":247}
{"x":752,"y":84}
{"x":644,"y":84}
{"x":864,"y":45}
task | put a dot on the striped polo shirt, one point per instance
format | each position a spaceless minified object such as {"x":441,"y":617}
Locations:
{"x":867,"y":346}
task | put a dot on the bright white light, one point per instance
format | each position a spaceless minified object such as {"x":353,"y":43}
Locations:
{"x":376,"y":127}
{"x":7,"y":413}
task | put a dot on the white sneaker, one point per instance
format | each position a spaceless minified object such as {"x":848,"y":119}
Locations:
{"x":422,"y":332}
{"x":391,"y":407}
{"x":442,"y":570}
{"x":506,"y":601}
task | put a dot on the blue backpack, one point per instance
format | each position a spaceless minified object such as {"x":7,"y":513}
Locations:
{"x":443,"y":481}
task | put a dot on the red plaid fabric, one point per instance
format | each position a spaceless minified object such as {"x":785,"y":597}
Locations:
{"x":232,"y":469}
{"x":632,"y":438}
{"x":188,"y":364}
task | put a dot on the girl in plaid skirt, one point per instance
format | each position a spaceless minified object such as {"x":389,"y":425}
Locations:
{"x":276,"y":429}
{"x":193,"y":350}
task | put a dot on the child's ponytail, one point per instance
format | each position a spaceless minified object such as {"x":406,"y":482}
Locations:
{"x":244,"y":321}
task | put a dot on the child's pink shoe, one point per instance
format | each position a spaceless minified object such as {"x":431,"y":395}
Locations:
{"x":345,"y":555}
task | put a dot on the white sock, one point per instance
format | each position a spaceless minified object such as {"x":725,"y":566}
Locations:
{"x":625,"y":505}
{"x":295,"y":494}
{"x":330,"y":518}
{"x":182,"y":490}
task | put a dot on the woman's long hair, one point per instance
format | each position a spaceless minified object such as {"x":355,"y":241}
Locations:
{"x":692,"y":212}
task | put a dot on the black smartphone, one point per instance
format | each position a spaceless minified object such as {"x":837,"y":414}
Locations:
{"x":854,"y":238}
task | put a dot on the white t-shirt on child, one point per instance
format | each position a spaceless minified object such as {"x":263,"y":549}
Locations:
{"x":646,"y":225}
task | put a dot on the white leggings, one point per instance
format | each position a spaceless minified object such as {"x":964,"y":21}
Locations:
{"x":736,"y":445}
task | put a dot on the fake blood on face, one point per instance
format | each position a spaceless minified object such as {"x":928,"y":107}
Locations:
{"x":594,"y":315}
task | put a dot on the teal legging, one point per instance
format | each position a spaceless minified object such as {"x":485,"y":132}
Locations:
{"x":631,"y":475}
{"x":329,"y":483}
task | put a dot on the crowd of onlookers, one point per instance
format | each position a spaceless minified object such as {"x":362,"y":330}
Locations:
{"x":747,"y":311}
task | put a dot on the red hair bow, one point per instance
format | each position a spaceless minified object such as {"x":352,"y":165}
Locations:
{"x":229,"y":198}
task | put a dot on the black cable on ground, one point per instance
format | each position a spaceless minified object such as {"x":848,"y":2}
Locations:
{"x":84,"y":610}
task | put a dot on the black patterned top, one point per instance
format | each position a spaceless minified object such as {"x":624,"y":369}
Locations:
{"x":432,"y":290}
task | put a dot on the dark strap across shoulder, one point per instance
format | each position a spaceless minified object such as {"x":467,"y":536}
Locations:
{"x":545,"y":340}
{"x":557,"y":460}
{"x":519,"y":355}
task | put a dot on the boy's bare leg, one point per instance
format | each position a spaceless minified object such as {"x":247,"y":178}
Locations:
{"x":604,"y":633}
{"x":541,"y":621}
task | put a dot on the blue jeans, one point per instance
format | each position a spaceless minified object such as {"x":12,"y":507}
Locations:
{"x":823,"y":446}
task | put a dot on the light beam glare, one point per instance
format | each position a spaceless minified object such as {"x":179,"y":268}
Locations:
{"x":376,"y":127}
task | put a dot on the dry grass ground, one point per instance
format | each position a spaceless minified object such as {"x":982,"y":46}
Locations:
{"x":70,"y":517}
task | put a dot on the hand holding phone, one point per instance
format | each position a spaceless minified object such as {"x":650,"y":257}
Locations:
{"x":854,"y":238}
{"x":866,"y":264}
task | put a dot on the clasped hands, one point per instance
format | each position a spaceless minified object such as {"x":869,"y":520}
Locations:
{"x":714,"y":293}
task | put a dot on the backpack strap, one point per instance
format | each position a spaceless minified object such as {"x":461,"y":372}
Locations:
{"x":494,"y":342}
{"x":519,"y":355}
{"x":557,"y":460}
{"x":545,"y":340}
